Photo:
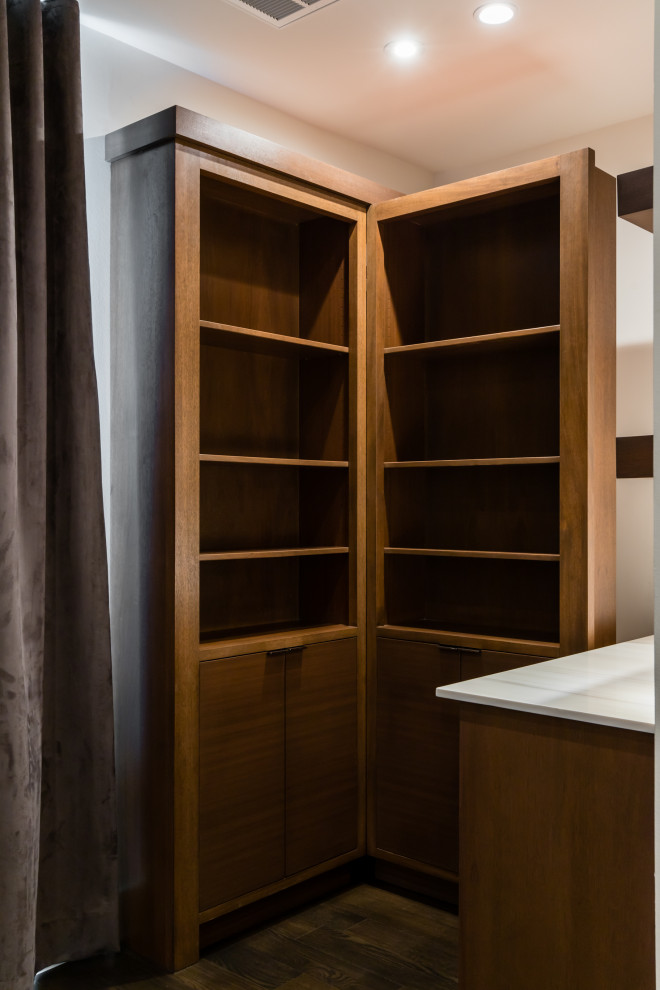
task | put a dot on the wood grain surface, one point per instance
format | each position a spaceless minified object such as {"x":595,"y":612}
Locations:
{"x":556,"y":854}
{"x":416,"y":758}
{"x":322,"y":792}
{"x":242,"y":776}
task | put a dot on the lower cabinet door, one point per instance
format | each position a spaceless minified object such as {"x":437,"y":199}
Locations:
{"x":321,"y":754}
{"x":242,"y":775}
{"x":416,"y":779}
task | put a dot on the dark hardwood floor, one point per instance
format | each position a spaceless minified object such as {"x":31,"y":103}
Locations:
{"x":360,"y":939}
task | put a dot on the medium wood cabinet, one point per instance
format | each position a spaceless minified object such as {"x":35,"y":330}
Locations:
{"x":278,"y":780}
{"x":491,"y":472}
{"x":557,"y":853}
{"x":492,"y":356}
{"x":260,"y":504}
{"x":238,"y":525}
{"x":416,"y":758}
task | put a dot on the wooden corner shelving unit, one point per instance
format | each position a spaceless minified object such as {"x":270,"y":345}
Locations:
{"x":294,"y":491}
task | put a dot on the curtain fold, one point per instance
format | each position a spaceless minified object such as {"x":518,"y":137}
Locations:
{"x":58,"y":898}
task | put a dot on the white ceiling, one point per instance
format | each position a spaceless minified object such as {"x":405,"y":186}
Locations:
{"x":562,"y":67}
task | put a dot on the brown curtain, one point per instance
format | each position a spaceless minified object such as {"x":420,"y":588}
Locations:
{"x":58,"y":897}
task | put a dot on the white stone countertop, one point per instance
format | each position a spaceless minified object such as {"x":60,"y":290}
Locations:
{"x":613,"y":685}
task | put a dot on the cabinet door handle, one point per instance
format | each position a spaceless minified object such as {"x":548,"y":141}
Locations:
{"x":285,"y":650}
{"x":449,"y":649}
{"x":470,"y":652}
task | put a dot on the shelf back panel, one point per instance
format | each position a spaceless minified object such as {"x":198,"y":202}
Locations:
{"x":492,"y":271}
{"x":271,"y":266}
{"x":264,"y":507}
{"x":324,"y":286}
{"x":249,"y":274}
{"x":502,"y":403}
{"x":242,"y":595}
{"x":266,"y":406}
{"x":511,"y":508}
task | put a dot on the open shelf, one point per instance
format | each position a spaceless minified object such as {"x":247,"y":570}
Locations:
{"x":474,"y":403}
{"x":260,"y":342}
{"x":249,"y":505}
{"x":487,"y":267}
{"x":272,"y":594}
{"x":272,"y":265}
{"x":266,"y":554}
{"x":255,"y":404}
{"x":506,"y":598}
{"x":505,"y":508}
{"x":485,"y":342}
{"x":635,"y":197}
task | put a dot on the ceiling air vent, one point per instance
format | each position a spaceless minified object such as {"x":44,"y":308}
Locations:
{"x":280,"y":12}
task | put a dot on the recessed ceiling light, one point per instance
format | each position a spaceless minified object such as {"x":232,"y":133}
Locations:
{"x":404,"y":48}
{"x":495,"y":13}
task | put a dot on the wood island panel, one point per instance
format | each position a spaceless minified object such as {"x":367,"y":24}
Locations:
{"x":556,"y":858}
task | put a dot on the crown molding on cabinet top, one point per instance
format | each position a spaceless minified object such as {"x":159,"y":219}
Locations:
{"x":194,"y":129}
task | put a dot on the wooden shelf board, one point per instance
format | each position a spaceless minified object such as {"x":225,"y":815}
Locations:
{"x":244,"y":339}
{"x":490,"y":554}
{"x":635,"y":197}
{"x":544,"y":648}
{"x":634,"y":457}
{"x":476,"y":340}
{"x":274,"y":461}
{"x":271,"y":638}
{"x":643,"y":219}
{"x":268,"y":554}
{"x":472,"y":462}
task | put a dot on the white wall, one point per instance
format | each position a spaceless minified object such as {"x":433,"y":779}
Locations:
{"x":620,"y":148}
{"x":122,"y":84}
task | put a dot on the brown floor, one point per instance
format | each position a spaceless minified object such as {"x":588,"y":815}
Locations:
{"x":361,"y":939}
